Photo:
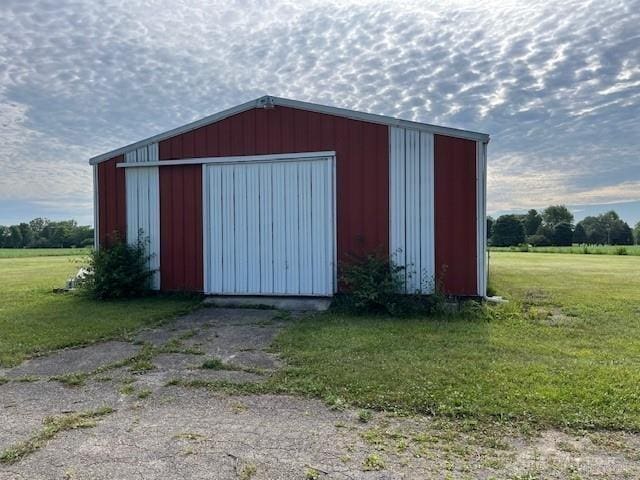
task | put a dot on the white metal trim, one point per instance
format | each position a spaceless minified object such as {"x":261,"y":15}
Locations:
{"x":285,"y":102}
{"x":278,"y":157}
{"x":481,"y":216}
{"x":205,"y":228}
{"x":334,"y":200}
{"x":96,"y":210}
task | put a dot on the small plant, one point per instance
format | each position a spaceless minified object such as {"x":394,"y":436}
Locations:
{"x":364,"y":416}
{"x":311,"y":474}
{"x":71,"y":379}
{"x":248,"y":471}
{"x":373,"y":462}
{"x":621,"y":251}
{"x":373,"y":282}
{"x":119,"y":270}
{"x":145,"y":393}
{"x":377,"y":285}
{"x":127,"y":389}
{"x":141,"y":365}
{"x":213,"y":364}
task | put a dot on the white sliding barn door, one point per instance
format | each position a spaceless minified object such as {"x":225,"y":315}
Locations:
{"x":269,"y":227}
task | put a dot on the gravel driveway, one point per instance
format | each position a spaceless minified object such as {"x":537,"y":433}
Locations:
{"x":138,"y":409}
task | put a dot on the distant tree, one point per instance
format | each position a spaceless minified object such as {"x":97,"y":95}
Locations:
{"x":579,"y":235}
{"x":556,"y":214}
{"x":531,"y":221}
{"x":636,"y":233}
{"x":545,"y":232}
{"x":490,"y":222}
{"x":538,"y":240}
{"x":42,"y":233}
{"x":596,"y":233}
{"x":27,"y":234}
{"x":15,"y":237}
{"x":37,"y":225}
{"x":5,"y":233}
{"x":562,"y":235}
{"x":507,"y":231}
{"x":606,"y":229}
{"x":622,"y":234}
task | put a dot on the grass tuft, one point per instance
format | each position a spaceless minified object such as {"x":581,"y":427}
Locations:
{"x":71,"y":379}
{"x":52,"y":426}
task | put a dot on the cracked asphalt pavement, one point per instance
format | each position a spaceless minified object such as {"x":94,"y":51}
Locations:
{"x":164,"y":431}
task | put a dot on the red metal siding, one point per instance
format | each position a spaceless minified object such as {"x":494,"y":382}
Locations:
{"x":455,"y":214}
{"x":112,"y":210}
{"x":181,"y":228}
{"x":362,"y":152}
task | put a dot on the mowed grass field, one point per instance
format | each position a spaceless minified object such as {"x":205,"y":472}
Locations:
{"x":43,"y":252}
{"x":565,"y":351}
{"x":577,"y":249}
{"x":33,"y":319}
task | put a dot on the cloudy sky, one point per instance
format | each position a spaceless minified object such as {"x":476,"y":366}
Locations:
{"x":556,"y":84}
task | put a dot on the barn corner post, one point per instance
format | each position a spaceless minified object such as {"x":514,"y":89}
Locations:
{"x":96,"y":221}
{"x":481,"y":215}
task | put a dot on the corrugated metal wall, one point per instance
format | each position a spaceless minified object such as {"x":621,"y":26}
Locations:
{"x":455,"y":214}
{"x":143,"y":214}
{"x":181,"y":228}
{"x":362,"y":152}
{"x":412,"y":201}
{"x":269,"y":228}
{"x":112,"y":213}
{"x":143,"y":205}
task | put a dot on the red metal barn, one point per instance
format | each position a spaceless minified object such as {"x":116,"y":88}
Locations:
{"x":268,"y":197}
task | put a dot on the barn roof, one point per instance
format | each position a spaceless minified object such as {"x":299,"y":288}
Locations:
{"x":268,"y":101}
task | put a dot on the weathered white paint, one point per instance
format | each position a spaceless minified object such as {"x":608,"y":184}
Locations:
{"x":481,"y":216}
{"x":144,"y":154}
{"x":412,"y":243}
{"x":143,"y":214}
{"x":269,"y":227}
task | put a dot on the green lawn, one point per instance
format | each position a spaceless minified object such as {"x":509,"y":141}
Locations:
{"x":565,"y":351}
{"x":33,"y":319}
{"x":42,"y":252}
{"x":577,"y":249}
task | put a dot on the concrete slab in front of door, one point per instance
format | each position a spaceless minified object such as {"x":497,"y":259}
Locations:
{"x":282,"y":303}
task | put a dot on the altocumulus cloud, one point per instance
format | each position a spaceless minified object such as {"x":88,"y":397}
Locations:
{"x":556,"y":84}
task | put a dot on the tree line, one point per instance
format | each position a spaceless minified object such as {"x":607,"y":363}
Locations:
{"x":43,"y":233}
{"x":554,"y":226}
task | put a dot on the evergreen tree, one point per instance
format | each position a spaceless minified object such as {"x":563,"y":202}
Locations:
{"x":579,"y":235}
{"x":507,"y":231}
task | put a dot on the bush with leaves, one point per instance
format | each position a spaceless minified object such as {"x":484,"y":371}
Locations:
{"x":374,"y":285}
{"x":119,"y":270}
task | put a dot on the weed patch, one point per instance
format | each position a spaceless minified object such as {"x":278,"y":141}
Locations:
{"x":52,"y":426}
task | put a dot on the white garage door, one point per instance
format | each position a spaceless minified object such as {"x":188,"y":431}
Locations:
{"x":269,"y":227}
